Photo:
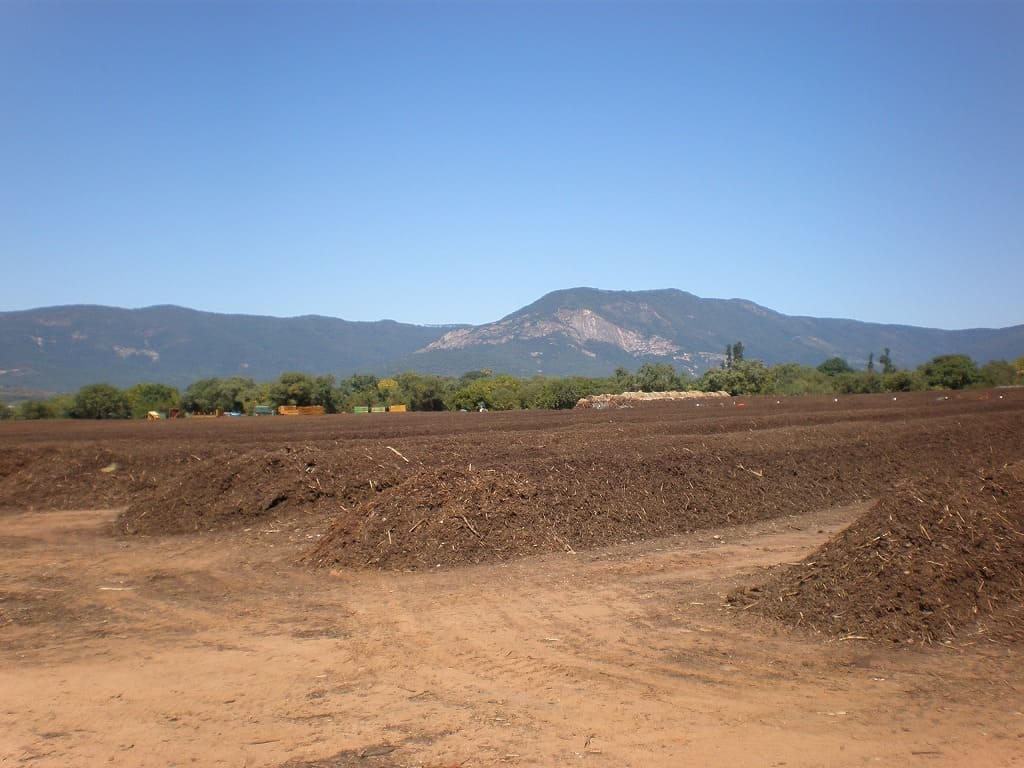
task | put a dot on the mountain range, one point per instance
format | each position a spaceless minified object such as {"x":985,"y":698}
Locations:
{"x":579,"y":331}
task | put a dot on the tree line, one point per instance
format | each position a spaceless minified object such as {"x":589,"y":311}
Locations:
{"x":498,"y":391}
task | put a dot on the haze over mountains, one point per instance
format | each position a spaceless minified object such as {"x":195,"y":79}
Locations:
{"x":579,"y":331}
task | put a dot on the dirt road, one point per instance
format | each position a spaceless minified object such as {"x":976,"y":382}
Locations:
{"x":217,"y":650}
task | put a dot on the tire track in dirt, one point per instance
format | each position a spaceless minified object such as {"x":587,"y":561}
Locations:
{"x":618,"y":656}
{"x":624,"y":656}
{"x":554,"y":643}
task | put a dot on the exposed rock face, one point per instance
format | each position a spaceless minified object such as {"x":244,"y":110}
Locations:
{"x":580,"y":326}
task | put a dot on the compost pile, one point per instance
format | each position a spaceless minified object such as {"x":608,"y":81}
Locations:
{"x":51,"y":477}
{"x":414,"y":491}
{"x":453,"y":516}
{"x":593,"y":488}
{"x":940,"y":559}
{"x":629,"y":399}
{"x":468,"y":513}
{"x":220,"y":491}
{"x":225,"y":489}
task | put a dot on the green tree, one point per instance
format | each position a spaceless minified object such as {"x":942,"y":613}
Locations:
{"x":885,"y":360}
{"x":733,"y":354}
{"x":901,"y":381}
{"x":834,"y":366}
{"x":746,"y":377}
{"x":496,"y":393}
{"x":792,"y":379}
{"x":389,"y":391}
{"x":201,"y":396}
{"x":62,"y":406}
{"x":256,"y":394}
{"x":857,"y":382}
{"x":292,"y":388}
{"x":998,"y":373}
{"x":37,"y":409}
{"x":100,"y":401}
{"x":658,"y":377}
{"x":148,"y":396}
{"x":358,"y":389}
{"x":623,"y":381}
{"x":562,"y":393}
{"x":950,"y":372}
{"x":424,"y":392}
{"x":325,"y":393}
{"x":236,"y":393}
{"x":470,"y":376}
{"x":6,"y":411}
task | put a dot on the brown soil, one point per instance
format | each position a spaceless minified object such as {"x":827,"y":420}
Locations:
{"x":939,"y":558}
{"x":579,"y":613}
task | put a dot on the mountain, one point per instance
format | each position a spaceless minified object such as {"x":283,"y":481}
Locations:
{"x":580,"y":331}
{"x":590,"y":332}
{"x":61,"y":349}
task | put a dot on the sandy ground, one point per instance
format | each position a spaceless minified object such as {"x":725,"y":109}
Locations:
{"x":218,"y":650}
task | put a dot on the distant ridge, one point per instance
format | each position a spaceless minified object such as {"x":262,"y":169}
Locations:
{"x":578,"y":331}
{"x":60,"y":349}
{"x":589,"y":331}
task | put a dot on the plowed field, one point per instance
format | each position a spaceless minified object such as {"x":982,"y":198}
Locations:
{"x":743,"y":582}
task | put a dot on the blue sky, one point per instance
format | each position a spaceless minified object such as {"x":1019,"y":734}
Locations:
{"x":435,"y":162}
